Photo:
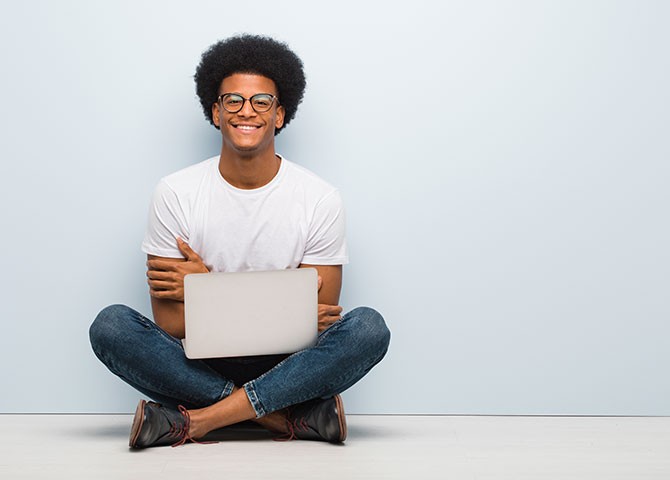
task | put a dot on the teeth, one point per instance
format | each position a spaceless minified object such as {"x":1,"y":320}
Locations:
{"x":245,"y":127}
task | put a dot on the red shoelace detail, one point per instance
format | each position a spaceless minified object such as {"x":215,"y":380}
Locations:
{"x":293,"y":426}
{"x":181,"y":432}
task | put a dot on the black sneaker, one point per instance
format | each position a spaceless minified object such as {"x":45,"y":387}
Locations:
{"x":318,"y":419}
{"x":155,"y":425}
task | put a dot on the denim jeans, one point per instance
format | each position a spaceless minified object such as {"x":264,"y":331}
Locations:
{"x":146,"y":357}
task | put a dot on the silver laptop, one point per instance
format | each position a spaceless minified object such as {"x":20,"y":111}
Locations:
{"x":250,"y":313}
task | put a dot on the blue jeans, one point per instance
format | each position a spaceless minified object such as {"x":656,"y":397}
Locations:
{"x":153,"y":362}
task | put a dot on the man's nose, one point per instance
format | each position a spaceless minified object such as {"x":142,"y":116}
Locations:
{"x":247,"y":110}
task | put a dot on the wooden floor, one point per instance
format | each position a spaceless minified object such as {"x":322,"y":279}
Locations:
{"x":94,"y":447}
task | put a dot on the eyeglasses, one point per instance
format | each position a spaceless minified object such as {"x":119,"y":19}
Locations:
{"x":233,"y":102}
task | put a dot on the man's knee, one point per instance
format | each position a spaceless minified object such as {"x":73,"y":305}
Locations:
{"x":372,"y":329}
{"x":111,"y":322}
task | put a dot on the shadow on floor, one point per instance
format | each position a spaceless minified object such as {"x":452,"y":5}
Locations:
{"x":241,"y":431}
{"x":366,"y":431}
{"x":105,"y":431}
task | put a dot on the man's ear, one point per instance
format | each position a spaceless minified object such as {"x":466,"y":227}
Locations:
{"x":279,"y":120}
{"x":215,"y":115}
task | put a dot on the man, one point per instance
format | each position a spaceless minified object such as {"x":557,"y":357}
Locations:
{"x":245,"y":209}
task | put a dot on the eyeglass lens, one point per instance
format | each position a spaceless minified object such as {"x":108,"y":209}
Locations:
{"x":261,"y":102}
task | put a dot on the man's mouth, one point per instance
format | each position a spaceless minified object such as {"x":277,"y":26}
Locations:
{"x":247,"y":128}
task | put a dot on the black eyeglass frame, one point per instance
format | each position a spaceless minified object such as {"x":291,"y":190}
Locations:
{"x":219,"y":99}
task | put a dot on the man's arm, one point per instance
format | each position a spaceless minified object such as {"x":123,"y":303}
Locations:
{"x":330,"y":285}
{"x":169,"y":315}
{"x":165,"y":277}
{"x":166,"y":282}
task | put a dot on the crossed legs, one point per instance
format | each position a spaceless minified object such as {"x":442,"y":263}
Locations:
{"x":147,"y":358}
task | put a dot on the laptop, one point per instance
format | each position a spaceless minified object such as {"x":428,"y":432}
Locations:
{"x":250,"y":313}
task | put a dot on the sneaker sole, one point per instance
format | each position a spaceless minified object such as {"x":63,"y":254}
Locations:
{"x":138,"y":421}
{"x":341,"y":417}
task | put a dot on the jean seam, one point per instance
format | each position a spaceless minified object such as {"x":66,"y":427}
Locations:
{"x":227,"y":390}
{"x":253,"y":399}
{"x":334,"y":327}
{"x":167,"y":335}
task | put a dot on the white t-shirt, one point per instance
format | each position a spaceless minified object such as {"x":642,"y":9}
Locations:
{"x":296,"y":218}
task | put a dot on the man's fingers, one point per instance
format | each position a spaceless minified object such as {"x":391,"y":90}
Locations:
{"x":160,"y":275}
{"x":187,"y":251}
{"x":320,"y":283}
{"x":328,"y":321}
{"x":158,"y":293}
{"x":162,"y":265}
{"x":160,"y":284}
{"x":165,"y":294}
{"x":332,"y":309}
{"x":329,"y":313}
{"x":161,"y":294}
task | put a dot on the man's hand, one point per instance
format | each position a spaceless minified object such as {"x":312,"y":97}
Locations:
{"x":328,"y":314}
{"x":166,"y":278}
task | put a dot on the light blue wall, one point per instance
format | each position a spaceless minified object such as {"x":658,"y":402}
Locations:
{"x":505,"y":166}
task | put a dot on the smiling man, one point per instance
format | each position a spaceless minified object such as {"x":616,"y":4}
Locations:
{"x":246,"y":209}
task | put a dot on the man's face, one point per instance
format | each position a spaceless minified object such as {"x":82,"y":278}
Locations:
{"x":248,"y":131}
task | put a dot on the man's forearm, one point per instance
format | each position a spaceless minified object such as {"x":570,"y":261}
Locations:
{"x":169,"y":315}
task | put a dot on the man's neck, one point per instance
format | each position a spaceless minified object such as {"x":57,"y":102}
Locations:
{"x":248,"y":172}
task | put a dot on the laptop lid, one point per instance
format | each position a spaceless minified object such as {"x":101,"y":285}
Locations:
{"x":250,"y":313}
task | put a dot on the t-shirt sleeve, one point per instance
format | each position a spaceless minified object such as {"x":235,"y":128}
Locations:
{"x":326,"y":240}
{"x":166,"y":222}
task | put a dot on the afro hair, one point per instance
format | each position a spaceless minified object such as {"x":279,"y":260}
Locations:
{"x":253,"y":54}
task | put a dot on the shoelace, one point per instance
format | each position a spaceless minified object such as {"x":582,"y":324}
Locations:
{"x":181,"y":432}
{"x":293,"y":426}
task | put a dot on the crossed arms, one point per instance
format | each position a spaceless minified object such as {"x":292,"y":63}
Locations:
{"x":165,"y":277}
